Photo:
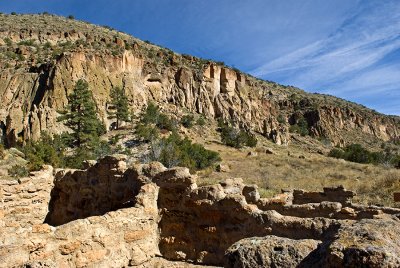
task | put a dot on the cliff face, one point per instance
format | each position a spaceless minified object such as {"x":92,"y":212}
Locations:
{"x":40,"y":65}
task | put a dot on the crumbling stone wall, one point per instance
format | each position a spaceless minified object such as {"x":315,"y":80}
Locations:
{"x":131,"y":214}
{"x":106,"y":186}
{"x":127,"y":236}
{"x":331,"y":194}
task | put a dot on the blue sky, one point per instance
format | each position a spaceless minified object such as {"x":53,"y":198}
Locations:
{"x":346,"y":48}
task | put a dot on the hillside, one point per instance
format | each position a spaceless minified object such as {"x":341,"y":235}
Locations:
{"x":42,"y":56}
{"x":208,"y":167}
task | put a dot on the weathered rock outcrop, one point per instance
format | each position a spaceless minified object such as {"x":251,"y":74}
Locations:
{"x":268,"y":251}
{"x":32,"y":92}
{"x":367,"y":243}
{"x":111,"y":215}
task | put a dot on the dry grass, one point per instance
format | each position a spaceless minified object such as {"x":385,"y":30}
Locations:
{"x":297,"y":167}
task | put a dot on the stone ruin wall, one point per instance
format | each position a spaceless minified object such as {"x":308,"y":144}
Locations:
{"x":110,"y":215}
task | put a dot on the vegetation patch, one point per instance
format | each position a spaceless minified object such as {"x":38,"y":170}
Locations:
{"x":172,"y":150}
{"x":235,"y":137}
{"x":357,"y":153}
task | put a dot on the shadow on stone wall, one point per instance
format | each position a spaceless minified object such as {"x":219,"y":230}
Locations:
{"x":106,"y":186}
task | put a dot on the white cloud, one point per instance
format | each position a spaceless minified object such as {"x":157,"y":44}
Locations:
{"x":349,"y":60}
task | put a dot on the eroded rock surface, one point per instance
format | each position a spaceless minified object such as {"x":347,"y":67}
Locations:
{"x":268,"y":251}
{"x":367,"y":243}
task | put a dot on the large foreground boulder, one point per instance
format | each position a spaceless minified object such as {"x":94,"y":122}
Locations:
{"x":367,"y":243}
{"x":268,"y":251}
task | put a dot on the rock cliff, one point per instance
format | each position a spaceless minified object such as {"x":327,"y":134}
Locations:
{"x":43,"y":56}
{"x":112,"y":215}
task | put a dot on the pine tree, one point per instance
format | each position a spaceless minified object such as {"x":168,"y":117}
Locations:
{"x":81,"y":117}
{"x":120,"y":102}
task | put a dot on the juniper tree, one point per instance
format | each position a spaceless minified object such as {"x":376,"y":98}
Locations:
{"x":81,"y":117}
{"x":120,"y":102}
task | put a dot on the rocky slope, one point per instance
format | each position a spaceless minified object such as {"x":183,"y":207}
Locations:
{"x":42,"y":56}
{"x":113,"y":215}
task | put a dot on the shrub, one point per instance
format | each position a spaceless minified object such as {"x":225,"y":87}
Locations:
{"x":301,"y":127}
{"x":281,"y":119}
{"x":71,"y":17}
{"x":13,"y":13}
{"x":147,"y":132}
{"x":18,"y":171}
{"x":187,"y":121}
{"x":114,"y":139}
{"x":29,"y":42}
{"x":97,"y":149}
{"x":165,"y":122}
{"x":174,"y":151}
{"x":236,"y":137}
{"x":357,"y":153}
{"x":7,"y":41}
{"x":44,"y":151}
{"x":47,"y":45}
{"x":201,"y":121}
{"x":152,"y":115}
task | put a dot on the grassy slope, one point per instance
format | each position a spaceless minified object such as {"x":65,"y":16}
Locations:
{"x":299,"y":166}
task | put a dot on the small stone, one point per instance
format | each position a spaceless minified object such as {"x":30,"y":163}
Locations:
{"x":223,"y":168}
{"x":252,"y":154}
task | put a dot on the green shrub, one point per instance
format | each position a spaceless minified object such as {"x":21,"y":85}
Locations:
{"x":7,"y":41}
{"x":165,"y":122}
{"x":237,"y":138}
{"x":44,"y":151}
{"x":97,"y":149}
{"x":175,"y":151}
{"x":301,"y":127}
{"x":18,"y":171}
{"x":47,"y":45}
{"x":357,"y":153}
{"x":281,"y":119}
{"x":151,"y":114}
{"x":201,"y":121}
{"x":13,"y":13}
{"x":147,"y":132}
{"x":114,"y":139}
{"x":187,"y":121}
{"x":71,"y":17}
{"x":29,"y":42}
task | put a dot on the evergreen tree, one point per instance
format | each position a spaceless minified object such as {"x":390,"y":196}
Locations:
{"x":120,"y":102}
{"x":81,"y":117}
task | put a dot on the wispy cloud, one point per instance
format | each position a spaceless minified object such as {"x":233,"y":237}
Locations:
{"x":351,"y":61}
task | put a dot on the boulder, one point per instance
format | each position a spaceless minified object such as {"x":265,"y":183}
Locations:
{"x":268,"y":251}
{"x":366,"y":243}
{"x":223,"y":168}
{"x":252,"y":154}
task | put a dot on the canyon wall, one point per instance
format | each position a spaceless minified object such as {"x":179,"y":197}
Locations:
{"x":33,"y":92}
